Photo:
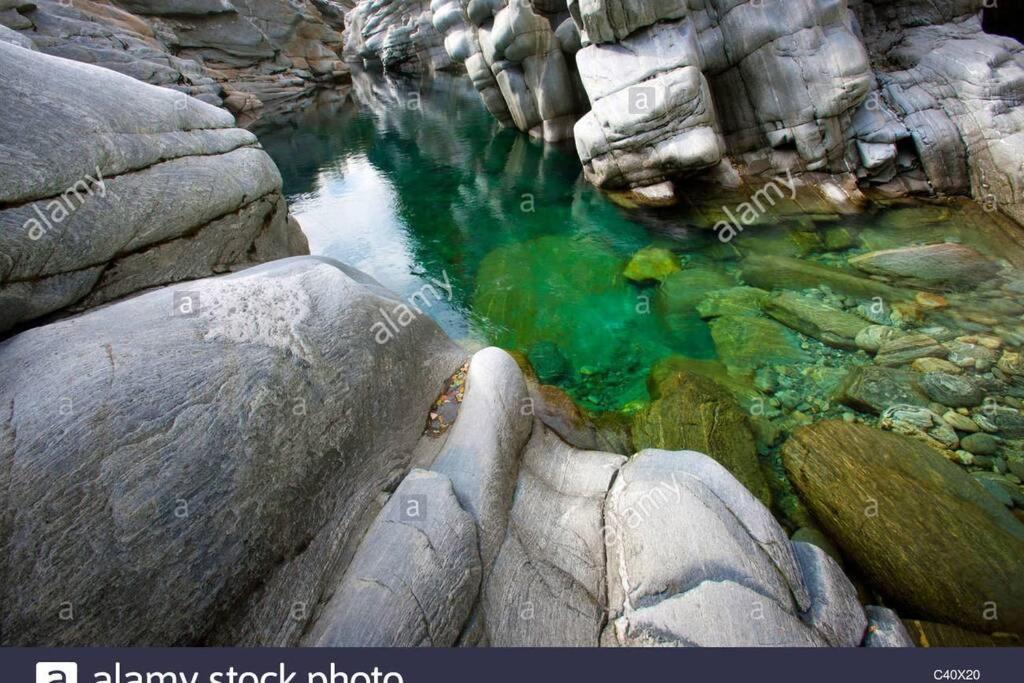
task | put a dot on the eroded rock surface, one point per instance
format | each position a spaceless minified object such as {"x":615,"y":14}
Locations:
{"x":240,"y":55}
{"x":109,"y":187}
{"x":908,"y":96}
{"x":258,"y":473}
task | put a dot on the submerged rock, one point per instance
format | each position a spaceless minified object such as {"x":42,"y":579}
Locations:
{"x":872,"y":389}
{"x":926,"y":535}
{"x":816,"y":319}
{"x":651,"y":264}
{"x":783,"y":272}
{"x":935,"y":265}
{"x":906,"y":348}
{"x":956,"y":391}
{"x":692,"y":412}
{"x":747,"y":343}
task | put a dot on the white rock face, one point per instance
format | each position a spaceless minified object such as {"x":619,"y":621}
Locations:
{"x":908,"y":95}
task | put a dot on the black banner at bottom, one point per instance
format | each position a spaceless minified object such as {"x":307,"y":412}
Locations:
{"x":269,"y":665}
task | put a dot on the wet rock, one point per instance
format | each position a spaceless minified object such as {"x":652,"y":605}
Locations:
{"x":734,"y":301}
{"x":651,"y":264}
{"x":783,"y":272}
{"x":998,"y":488}
{"x":548,"y":361}
{"x":696,"y":413}
{"x":872,"y":389}
{"x":872,"y":337}
{"x":956,"y":391}
{"x":904,"y":349}
{"x":934,"y":265}
{"x":1011,"y":363}
{"x":815,"y":319}
{"x":959,"y":422}
{"x":932,"y":531}
{"x":1007,"y":421}
{"x":747,"y":343}
{"x":930,"y":364}
{"x":920,"y":423}
{"x":967,"y":352}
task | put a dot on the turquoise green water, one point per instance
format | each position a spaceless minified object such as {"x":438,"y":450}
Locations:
{"x":416,"y":184}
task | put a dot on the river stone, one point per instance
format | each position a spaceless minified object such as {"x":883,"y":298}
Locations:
{"x":907,"y":348}
{"x":816,"y":319}
{"x":252,"y":411}
{"x":783,"y":272}
{"x":735,"y":301}
{"x":747,"y":343}
{"x":933,"y":265}
{"x":930,"y":364}
{"x":956,"y":391}
{"x":1008,"y":422}
{"x":885,"y":629}
{"x":921,"y":530}
{"x":872,"y":389}
{"x":872,"y":337}
{"x":835,"y":611}
{"x":651,"y":264}
{"x":959,"y":422}
{"x":699,"y":414}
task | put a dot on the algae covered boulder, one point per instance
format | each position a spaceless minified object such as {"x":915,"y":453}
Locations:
{"x":692,"y":412}
{"x":651,"y":264}
{"x":928,"y":536}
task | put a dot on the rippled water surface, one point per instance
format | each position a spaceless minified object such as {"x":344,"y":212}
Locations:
{"x":416,"y":184}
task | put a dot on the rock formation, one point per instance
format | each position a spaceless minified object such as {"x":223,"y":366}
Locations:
{"x":398,"y":35}
{"x":110,"y":186}
{"x":257,"y":473}
{"x":240,"y":55}
{"x":905,"y":96}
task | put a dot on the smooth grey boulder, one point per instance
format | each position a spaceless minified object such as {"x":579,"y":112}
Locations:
{"x":547,"y":586}
{"x":885,"y":629}
{"x":835,"y":611}
{"x":482,"y":450}
{"x":89,"y":157}
{"x":192,"y":464}
{"x":415,"y":577}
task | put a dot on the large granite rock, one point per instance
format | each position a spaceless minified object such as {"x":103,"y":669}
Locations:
{"x":91,"y":158}
{"x":240,"y":55}
{"x":928,"y":536}
{"x":256,"y":472}
{"x":194,"y":476}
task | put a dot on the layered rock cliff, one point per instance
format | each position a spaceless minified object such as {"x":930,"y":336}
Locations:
{"x":240,"y":54}
{"x":905,"y":96}
{"x":109,"y":186}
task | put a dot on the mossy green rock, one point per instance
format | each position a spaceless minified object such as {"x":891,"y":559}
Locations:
{"x":734,"y":301}
{"x":651,"y":264}
{"x":747,"y":343}
{"x":928,"y":536}
{"x":695,"y":413}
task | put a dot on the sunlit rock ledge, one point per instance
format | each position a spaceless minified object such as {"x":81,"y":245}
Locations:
{"x":901,"y":97}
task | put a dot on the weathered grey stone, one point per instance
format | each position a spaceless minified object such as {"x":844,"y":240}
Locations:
{"x":209,"y":453}
{"x":482,"y":450}
{"x":885,"y":629}
{"x":835,"y":613}
{"x":872,"y":389}
{"x":956,"y":391}
{"x":84,"y":175}
{"x":415,"y":577}
{"x":548,"y":583}
{"x":903,"y":349}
